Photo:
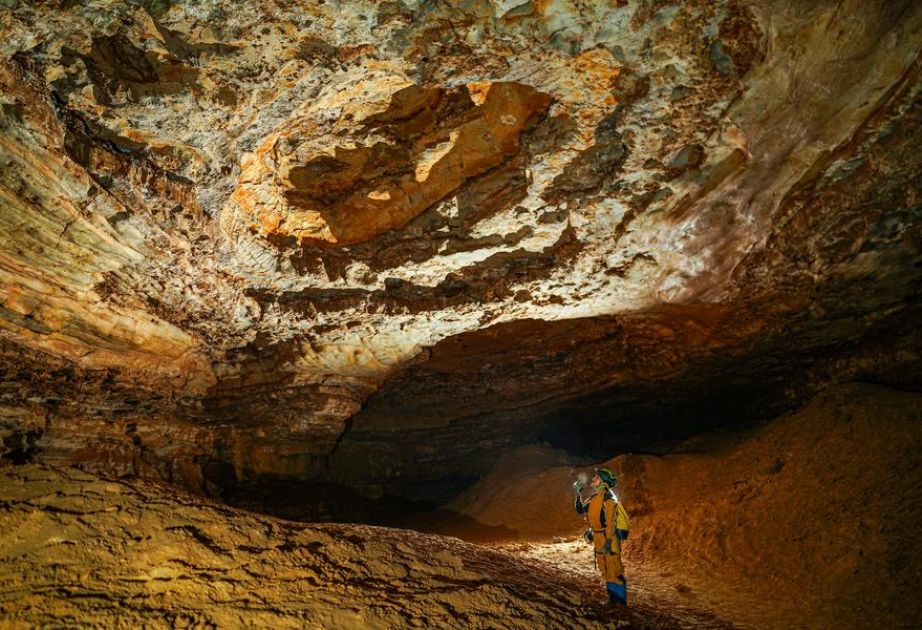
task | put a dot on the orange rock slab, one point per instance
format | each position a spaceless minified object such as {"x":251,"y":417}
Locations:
{"x":422,"y":148}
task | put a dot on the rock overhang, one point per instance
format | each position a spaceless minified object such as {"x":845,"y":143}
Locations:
{"x":388,"y":167}
{"x":253,"y":220}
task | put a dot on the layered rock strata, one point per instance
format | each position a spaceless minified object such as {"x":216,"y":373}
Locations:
{"x":383,"y":242}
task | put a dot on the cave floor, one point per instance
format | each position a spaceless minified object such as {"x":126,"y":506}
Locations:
{"x":689,"y":598}
{"x":78,"y":551}
{"x":748,"y":529}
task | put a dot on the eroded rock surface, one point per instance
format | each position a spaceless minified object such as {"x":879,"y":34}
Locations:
{"x":80,"y":550}
{"x":383,"y":242}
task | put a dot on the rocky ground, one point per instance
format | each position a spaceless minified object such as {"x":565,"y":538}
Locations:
{"x":81,"y":551}
{"x":727,"y":531}
{"x":808,"y":521}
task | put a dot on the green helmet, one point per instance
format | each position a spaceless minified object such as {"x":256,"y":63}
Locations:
{"x":607,"y":477}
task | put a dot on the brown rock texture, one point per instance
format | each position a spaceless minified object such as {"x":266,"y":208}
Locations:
{"x":348,"y":195}
{"x":380,"y":243}
{"x":806,"y":521}
{"x":82,"y":551}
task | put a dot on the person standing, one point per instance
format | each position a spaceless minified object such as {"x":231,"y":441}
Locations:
{"x":609,"y":526}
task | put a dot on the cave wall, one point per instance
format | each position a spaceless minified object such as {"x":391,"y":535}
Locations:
{"x":383,"y":242}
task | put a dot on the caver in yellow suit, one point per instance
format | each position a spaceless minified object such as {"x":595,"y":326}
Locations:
{"x":609,"y":525}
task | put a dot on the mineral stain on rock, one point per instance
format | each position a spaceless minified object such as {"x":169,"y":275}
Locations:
{"x":398,"y":162}
{"x":311,"y":256}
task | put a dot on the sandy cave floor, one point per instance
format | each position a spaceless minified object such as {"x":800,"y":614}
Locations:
{"x":81,"y":551}
{"x":752,"y":529}
{"x":659,"y":588}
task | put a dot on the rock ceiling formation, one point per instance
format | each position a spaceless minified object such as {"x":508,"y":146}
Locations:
{"x":382,"y":241}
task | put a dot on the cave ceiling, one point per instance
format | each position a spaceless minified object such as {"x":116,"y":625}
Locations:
{"x":377,"y":238}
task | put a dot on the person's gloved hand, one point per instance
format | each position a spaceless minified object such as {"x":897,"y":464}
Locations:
{"x":606,"y":547}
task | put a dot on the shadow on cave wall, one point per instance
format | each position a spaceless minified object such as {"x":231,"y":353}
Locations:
{"x":596,"y":430}
{"x":435,"y":430}
{"x":589,"y":430}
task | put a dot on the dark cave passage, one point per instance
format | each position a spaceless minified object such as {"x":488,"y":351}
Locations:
{"x":595,"y":430}
{"x":707,"y":508}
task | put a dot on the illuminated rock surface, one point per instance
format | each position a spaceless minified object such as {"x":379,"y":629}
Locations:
{"x":361,"y":242}
{"x":83,"y":551}
{"x":318,"y":252}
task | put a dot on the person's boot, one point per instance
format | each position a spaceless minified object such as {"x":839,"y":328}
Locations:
{"x":617,"y":593}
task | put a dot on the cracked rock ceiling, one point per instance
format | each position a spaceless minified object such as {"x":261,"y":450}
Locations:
{"x":383,"y":241}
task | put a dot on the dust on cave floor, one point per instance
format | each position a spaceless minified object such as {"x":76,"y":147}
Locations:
{"x":85,"y":551}
{"x":653,"y":590}
{"x":696,"y":601}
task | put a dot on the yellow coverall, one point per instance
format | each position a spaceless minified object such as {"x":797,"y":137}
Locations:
{"x":609,"y":522}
